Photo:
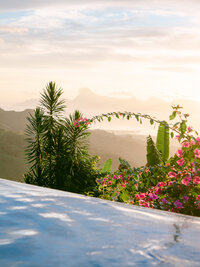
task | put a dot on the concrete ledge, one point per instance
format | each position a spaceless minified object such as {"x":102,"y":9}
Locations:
{"x":45,"y":227}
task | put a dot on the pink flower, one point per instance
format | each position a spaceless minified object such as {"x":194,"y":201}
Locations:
{"x":186,"y":180}
{"x":189,"y":129}
{"x":177,"y":137}
{"x":158,"y":191}
{"x":164,"y":201}
{"x":186,"y":144}
{"x":137,"y":196}
{"x":114,"y":177}
{"x":84,"y":121}
{"x":198,"y":139}
{"x":192,"y":142}
{"x":123,"y":185}
{"x":173,"y":210}
{"x":197,"y":153}
{"x":170,"y":183}
{"x":180,"y":161}
{"x":180,"y":153}
{"x":142,"y":195}
{"x":141,"y":202}
{"x":196,"y":180}
{"x":178,"y":204}
{"x":159,"y":184}
{"x":167,"y":164}
{"x":147,"y":205}
{"x":152,"y":196}
{"x":110,"y":183}
{"x":198,"y":197}
{"x":186,"y":198}
{"x":172,"y":175}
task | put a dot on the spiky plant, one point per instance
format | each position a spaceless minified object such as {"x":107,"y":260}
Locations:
{"x":53,"y":107}
{"x":34,"y":152}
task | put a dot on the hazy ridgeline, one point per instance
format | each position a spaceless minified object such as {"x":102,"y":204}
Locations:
{"x":126,"y":139}
{"x":106,"y":144}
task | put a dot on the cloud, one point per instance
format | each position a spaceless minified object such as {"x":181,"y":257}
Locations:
{"x":134,"y":39}
{"x":162,"y":4}
{"x":8,"y":29}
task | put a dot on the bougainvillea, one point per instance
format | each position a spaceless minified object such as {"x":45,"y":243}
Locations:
{"x":173,"y":186}
{"x":81,"y":122}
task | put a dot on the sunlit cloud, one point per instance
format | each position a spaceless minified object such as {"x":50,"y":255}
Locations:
{"x":106,"y":38}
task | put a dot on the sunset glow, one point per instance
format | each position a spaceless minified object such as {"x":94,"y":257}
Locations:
{"x":135,"y":48}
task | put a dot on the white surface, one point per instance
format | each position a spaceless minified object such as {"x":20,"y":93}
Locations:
{"x":45,"y":227}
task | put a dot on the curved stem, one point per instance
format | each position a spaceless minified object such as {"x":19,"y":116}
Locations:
{"x":137,"y":116}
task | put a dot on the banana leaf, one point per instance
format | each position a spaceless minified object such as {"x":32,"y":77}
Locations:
{"x":162,"y":142}
{"x":107,"y":166}
{"x":153,"y":155}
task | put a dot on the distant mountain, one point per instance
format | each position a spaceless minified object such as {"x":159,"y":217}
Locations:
{"x":14,"y":120}
{"x":12,"y":164}
{"x":131,"y":147}
{"x":87,"y":98}
{"x":92,"y":104}
{"x":102,"y":143}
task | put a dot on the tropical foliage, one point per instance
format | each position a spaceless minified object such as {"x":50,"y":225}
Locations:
{"x":57,"y":147}
{"x":57,"y":155}
{"x":169,"y":184}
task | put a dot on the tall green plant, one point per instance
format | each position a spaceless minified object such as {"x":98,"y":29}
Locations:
{"x":107,"y":166}
{"x":153,"y":155}
{"x":159,"y":152}
{"x":162,"y":141}
{"x":81,"y":172}
{"x":53,"y":107}
{"x":34,"y":152}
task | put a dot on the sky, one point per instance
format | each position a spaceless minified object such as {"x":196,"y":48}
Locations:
{"x":116,"y":48}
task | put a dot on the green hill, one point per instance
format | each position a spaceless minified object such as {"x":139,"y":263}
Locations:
{"x":14,"y":120}
{"x":131,"y":147}
{"x":12,"y":164}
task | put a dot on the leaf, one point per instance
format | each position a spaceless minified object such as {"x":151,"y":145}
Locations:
{"x":173,"y":115}
{"x":183,"y":127}
{"x":109,"y":118}
{"x":172,"y":134}
{"x":151,"y":121}
{"x":162,"y":141}
{"x":124,"y":164}
{"x":107,"y":166}
{"x":125,"y":196}
{"x":153,"y":155}
{"x":137,"y":117}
